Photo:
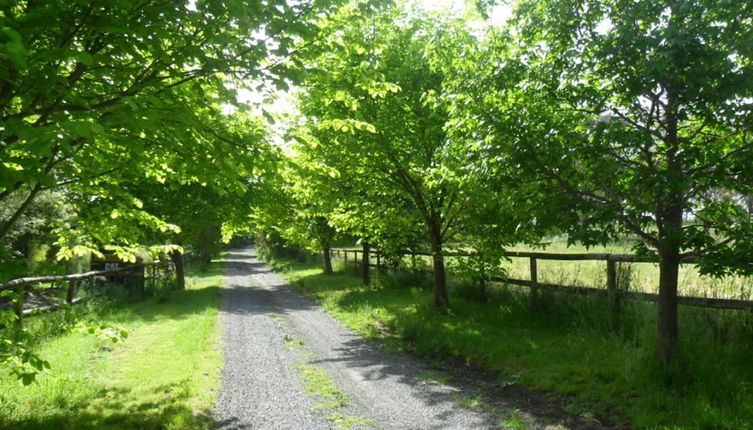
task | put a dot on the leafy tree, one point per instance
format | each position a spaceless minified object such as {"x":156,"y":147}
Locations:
{"x":103,"y":100}
{"x":624,"y":115}
{"x":284,"y":213}
{"x":92,"y":91}
{"x":376,"y":215}
{"x":36,"y":227}
{"x":369,"y":97}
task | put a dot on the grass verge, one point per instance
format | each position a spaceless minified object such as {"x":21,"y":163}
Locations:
{"x":573,"y":346}
{"x":321,"y":387}
{"x":164,"y":375}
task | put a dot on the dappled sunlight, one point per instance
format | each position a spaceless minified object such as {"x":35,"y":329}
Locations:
{"x":115,"y":408}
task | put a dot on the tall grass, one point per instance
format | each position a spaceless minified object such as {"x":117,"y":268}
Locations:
{"x":644,"y":277}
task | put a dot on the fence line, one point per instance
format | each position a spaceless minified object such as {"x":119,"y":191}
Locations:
{"x":73,"y":277}
{"x":612,"y":289}
{"x":20,"y":285}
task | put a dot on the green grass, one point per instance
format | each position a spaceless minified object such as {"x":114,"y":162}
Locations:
{"x":599,"y":366}
{"x":475,"y":402}
{"x":164,"y":375}
{"x":321,"y":386}
{"x":441,"y":378}
{"x":514,"y":420}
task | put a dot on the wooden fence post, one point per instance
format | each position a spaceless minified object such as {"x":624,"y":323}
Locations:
{"x":71,"y":291}
{"x":534,"y":273}
{"x":18,"y":305}
{"x":365,"y":269}
{"x":355,"y":262}
{"x":613,"y":295}
{"x":611,"y":278}
{"x":379,"y":261}
{"x":534,"y":280}
{"x":180,"y":274}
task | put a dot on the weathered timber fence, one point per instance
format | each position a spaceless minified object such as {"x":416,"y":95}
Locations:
{"x":612,"y":291}
{"x":24,"y":286}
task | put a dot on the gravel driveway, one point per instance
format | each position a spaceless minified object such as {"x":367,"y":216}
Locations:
{"x":262,"y":387}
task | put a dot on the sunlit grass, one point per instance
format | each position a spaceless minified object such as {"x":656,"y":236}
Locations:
{"x":164,"y":375}
{"x":643,"y":277}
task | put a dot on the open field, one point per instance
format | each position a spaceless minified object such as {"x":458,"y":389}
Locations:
{"x":641,"y":277}
{"x":164,"y":375}
{"x":598,"y":366}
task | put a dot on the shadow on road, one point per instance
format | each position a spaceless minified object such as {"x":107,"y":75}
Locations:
{"x":472,"y":387}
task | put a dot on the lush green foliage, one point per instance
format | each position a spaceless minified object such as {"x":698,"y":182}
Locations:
{"x":597,"y":119}
{"x":374,"y":124}
{"x":119,"y":112}
{"x":631,"y":115}
{"x":121,"y":129}
{"x":96,"y":98}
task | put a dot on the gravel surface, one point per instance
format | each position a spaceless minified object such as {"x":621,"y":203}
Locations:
{"x":261,"y":388}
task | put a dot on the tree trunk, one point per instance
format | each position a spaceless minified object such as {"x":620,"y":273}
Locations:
{"x":667,"y":347}
{"x":18,"y":307}
{"x":5,"y":227}
{"x":482,"y":288}
{"x":327,"y":253}
{"x":70,"y":293}
{"x":365,"y":275}
{"x":180,"y":273}
{"x":441,"y":298}
{"x":669,"y":227}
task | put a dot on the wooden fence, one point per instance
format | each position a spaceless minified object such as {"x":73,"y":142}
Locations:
{"x":22,"y":287}
{"x":611,"y":291}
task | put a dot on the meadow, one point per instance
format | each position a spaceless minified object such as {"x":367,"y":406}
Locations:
{"x":639,"y":277}
{"x":164,"y":375}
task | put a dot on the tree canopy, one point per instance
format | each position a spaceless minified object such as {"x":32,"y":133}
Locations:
{"x":628,"y":114}
{"x":96,"y":95}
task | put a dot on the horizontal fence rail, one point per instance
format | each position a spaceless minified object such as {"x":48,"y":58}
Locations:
{"x":73,"y":277}
{"x":611,"y":290}
{"x":24,"y":286}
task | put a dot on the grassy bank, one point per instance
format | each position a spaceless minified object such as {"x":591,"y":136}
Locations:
{"x":164,"y":375}
{"x":573,"y":346}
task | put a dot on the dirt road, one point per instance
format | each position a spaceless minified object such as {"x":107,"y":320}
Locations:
{"x":275,"y":336}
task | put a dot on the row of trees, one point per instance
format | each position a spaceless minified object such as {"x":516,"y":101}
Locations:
{"x":599,"y":119}
{"x":118,"y":109}
{"x":116,"y":131}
